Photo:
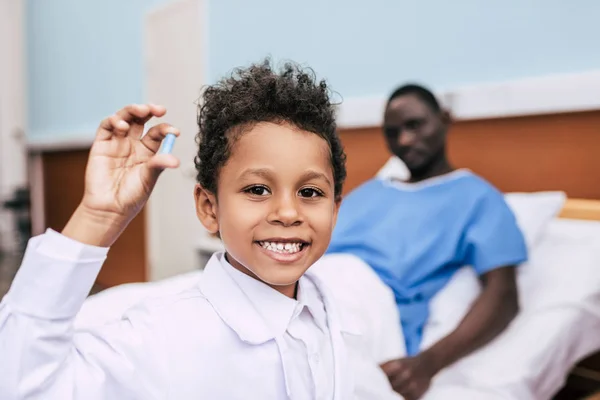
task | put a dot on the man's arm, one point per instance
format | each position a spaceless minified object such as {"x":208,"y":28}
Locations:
{"x":490,"y":314}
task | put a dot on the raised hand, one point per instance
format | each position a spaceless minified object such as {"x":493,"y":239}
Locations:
{"x":121,"y":172}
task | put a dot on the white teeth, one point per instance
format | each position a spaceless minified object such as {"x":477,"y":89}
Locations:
{"x":288,"y":248}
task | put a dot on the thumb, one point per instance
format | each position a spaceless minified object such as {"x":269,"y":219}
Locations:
{"x":391,"y":367}
{"x":161,"y":161}
{"x":157,"y":164}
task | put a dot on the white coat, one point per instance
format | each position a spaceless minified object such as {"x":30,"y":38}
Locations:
{"x":207,"y":342}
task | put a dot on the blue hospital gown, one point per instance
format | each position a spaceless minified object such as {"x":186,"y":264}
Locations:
{"x":416,"y":236}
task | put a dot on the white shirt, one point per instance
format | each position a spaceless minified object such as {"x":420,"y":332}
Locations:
{"x":302,"y":325}
{"x":208,"y":342}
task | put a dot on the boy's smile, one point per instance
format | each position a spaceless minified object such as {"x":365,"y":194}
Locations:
{"x":275,"y":207}
{"x":284,"y":250}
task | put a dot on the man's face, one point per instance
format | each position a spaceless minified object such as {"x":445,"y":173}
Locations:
{"x":413,"y":131}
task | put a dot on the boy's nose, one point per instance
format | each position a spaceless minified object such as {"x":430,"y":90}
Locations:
{"x":286,"y":212}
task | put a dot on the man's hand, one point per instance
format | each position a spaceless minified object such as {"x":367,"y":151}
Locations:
{"x":121,"y":172}
{"x":489,"y":315}
{"x":410,"y":376}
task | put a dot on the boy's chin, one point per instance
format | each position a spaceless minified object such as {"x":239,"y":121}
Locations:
{"x":280,"y":278}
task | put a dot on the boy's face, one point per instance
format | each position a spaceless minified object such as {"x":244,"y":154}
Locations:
{"x":275,"y":207}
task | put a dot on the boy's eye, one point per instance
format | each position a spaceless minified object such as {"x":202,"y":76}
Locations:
{"x":310,"y":192}
{"x":257,"y":190}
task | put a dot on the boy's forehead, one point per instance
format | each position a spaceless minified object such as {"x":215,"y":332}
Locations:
{"x":278,"y":145}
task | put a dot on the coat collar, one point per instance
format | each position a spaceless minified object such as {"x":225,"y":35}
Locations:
{"x":232,"y":305}
{"x":339,"y":324}
{"x":235,"y":309}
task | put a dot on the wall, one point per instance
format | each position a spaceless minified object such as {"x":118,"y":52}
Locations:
{"x":84,"y":63}
{"x":80,"y":70}
{"x":516,"y":154}
{"x":366,"y":47}
{"x":13,"y":172}
{"x":173,"y":229}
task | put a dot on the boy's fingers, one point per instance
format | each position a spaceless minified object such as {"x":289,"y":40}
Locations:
{"x":112,"y":125}
{"x":155,"y":135}
{"x":157,"y":110}
{"x":134,"y":112}
{"x":140,"y":113}
{"x":120,"y":122}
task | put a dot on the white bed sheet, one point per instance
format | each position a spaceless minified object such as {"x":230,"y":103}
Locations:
{"x":558,"y":325}
{"x":559,"y":321}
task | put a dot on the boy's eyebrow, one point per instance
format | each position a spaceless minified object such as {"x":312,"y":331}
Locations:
{"x":267,"y":173}
{"x":261,"y":172}
{"x":310,"y":174}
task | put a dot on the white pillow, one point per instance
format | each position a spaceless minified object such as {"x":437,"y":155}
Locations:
{"x":394,"y":168}
{"x":564,"y":267}
{"x":559,"y":294}
{"x":534,"y":211}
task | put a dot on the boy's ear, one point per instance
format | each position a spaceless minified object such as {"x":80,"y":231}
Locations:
{"x":206,"y":208}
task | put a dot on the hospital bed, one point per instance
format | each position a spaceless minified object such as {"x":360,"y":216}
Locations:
{"x":558,"y":325}
{"x":559,"y":288}
{"x":526,"y":154}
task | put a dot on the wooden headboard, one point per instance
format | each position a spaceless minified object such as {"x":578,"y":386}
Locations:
{"x":530,"y":153}
{"x":581,"y":209}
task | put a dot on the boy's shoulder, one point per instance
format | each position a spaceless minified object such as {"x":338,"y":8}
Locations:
{"x":139,"y":298}
{"x":174,"y":304}
{"x":186,"y":316}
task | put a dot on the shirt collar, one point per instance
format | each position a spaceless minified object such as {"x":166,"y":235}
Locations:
{"x":275,"y":308}
{"x":309,"y":296}
{"x":235,"y":307}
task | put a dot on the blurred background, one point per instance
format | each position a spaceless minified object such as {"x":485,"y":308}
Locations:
{"x":521,"y":78}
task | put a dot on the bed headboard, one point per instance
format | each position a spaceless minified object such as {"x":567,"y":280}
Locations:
{"x":517,"y":154}
{"x":581,"y":209}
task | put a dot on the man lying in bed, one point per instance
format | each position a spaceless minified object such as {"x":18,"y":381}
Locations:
{"x":415,"y":234}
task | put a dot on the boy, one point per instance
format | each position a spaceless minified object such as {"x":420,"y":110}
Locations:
{"x":417,"y":234}
{"x":270,"y":173}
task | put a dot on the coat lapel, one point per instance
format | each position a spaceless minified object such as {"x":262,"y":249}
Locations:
{"x":232,"y":305}
{"x":338,"y":326}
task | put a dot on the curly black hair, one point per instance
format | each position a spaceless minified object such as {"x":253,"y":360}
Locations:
{"x":261,"y":94}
